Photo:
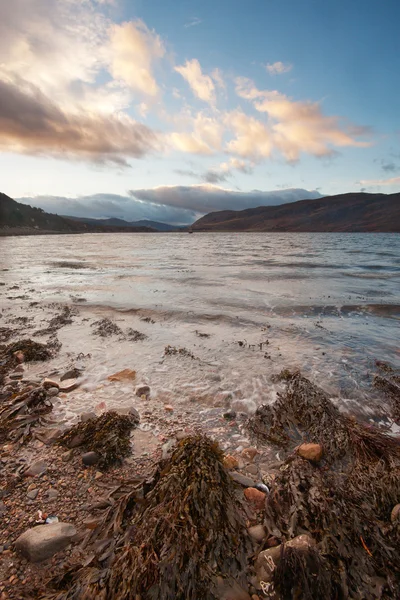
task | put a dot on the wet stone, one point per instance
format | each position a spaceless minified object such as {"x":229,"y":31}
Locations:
{"x":243,"y":480}
{"x":36,"y":468}
{"x":90,"y":458}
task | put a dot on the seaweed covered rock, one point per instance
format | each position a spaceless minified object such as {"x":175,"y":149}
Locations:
{"x":20,"y":414}
{"x":107,"y":435}
{"x":21,"y":351}
{"x":182,"y":542}
{"x":345,"y":505}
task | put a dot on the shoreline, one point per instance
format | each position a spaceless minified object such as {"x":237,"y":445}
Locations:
{"x":80,"y":495}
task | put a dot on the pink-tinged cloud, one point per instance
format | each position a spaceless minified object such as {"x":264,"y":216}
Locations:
{"x":31,"y":123}
{"x":201,"y":85}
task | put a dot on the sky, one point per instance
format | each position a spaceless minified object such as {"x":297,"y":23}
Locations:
{"x":169,"y":109}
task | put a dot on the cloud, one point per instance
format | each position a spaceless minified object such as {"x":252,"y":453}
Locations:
{"x":103,"y":206}
{"x":31,"y":123}
{"x":293,"y":127}
{"x":212,"y":176}
{"x":277,"y":68}
{"x":201,"y":85}
{"x":380,"y":182}
{"x":205,"y":137}
{"x":206,"y":198}
{"x":252,"y":138}
{"x":193,"y":22}
{"x":216,"y":75}
{"x":133,"y":50}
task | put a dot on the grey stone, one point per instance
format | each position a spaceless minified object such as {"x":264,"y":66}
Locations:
{"x":130,"y":411}
{"x":42,"y":542}
{"x":90,"y":458}
{"x":37,"y":468}
{"x":66,"y":456}
{"x":53,"y":391}
{"x":243,"y":480}
{"x":32,"y":494}
{"x":73,"y":374}
{"x":86,"y":416}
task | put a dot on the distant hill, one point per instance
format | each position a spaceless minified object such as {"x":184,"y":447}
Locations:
{"x":355,"y":212}
{"x":122,"y":223}
{"x":22,"y":219}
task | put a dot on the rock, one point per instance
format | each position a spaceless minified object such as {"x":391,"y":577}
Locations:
{"x":395,"y":514}
{"x":20,"y":356}
{"x":98,"y":475}
{"x":16,"y":376}
{"x":229,"y":415}
{"x":3,"y":508}
{"x":249,"y":453}
{"x":90,"y":523}
{"x":36,"y":468}
{"x":69,"y":386}
{"x":76,"y":441}
{"x":130,"y":411}
{"x":49,"y":436}
{"x":243,"y":480}
{"x":102,"y":503}
{"x":124,"y":375}
{"x":257,"y":532}
{"x":230,"y":462}
{"x":52,"y":391}
{"x":312,"y":452}
{"x":72,"y":374}
{"x":90,"y":458}
{"x":51,"y":494}
{"x":168,"y":408}
{"x":255,"y":497}
{"x":33,"y":494}
{"x":42,"y":542}
{"x":142,"y":390}
{"x":252,"y":469}
{"x":66,"y":456}
{"x":49,"y":383}
{"x":86,"y":416}
{"x":266,"y":563}
{"x":302,"y":542}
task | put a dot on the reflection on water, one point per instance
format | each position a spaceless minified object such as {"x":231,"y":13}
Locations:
{"x":331,"y":301}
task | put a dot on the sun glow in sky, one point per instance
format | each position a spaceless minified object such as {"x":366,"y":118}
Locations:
{"x":167,"y":109}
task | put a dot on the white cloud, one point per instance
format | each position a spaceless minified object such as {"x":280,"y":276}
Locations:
{"x":206,"y":198}
{"x":133,"y":50}
{"x":205,"y":137}
{"x":278,"y":68}
{"x":201,"y":85}
{"x":193,"y":22}
{"x":293,"y":127}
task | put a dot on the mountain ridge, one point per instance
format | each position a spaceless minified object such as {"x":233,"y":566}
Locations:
{"x":22,"y":219}
{"x":351,"y":212}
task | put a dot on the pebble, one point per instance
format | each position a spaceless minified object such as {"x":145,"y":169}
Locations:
{"x":52,"y":391}
{"x":243,"y":480}
{"x":255,"y":497}
{"x":312,"y":452}
{"x":168,"y":408}
{"x":32,"y":494}
{"x":90,"y":458}
{"x":257,"y":532}
{"x":66,"y":456}
{"x":142,"y":390}
{"x":395,"y":514}
{"x":249,"y":453}
{"x":230,"y":462}
{"x":98,"y":475}
{"x":37,"y":468}
{"x":49,"y":383}
{"x":229,"y":415}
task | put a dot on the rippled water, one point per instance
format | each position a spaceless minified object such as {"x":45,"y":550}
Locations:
{"x":328,"y":304}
